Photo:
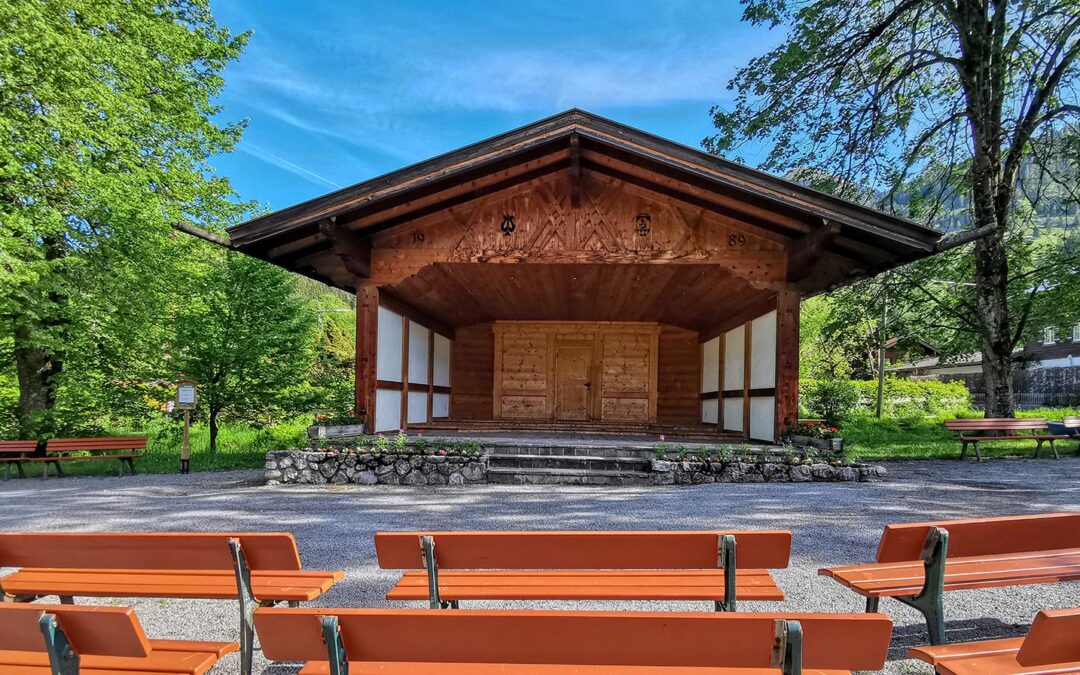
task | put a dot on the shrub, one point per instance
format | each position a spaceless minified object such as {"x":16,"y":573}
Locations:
{"x":833,"y":400}
{"x":902,"y":398}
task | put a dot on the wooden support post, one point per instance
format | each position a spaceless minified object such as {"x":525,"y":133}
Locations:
{"x":748,"y":360}
{"x":787,"y":361}
{"x":367,"y":327}
{"x":404,"y":424}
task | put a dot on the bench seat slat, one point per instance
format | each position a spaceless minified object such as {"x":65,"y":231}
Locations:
{"x":588,"y":585}
{"x":163,"y":660}
{"x":935,"y":654}
{"x":396,"y":668}
{"x":207,"y":584}
{"x":1001,"y":664}
{"x":45,"y":670}
{"x":896,"y":579}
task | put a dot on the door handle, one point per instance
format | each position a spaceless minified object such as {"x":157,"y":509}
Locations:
{"x":588,"y":385}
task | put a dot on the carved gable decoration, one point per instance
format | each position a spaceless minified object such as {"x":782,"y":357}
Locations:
{"x":615,"y":223}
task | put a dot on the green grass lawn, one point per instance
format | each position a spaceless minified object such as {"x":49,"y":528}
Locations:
{"x":870,"y":438}
{"x":239,"y":447}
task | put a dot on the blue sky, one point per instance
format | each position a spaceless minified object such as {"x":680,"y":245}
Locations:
{"x":339,"y":91}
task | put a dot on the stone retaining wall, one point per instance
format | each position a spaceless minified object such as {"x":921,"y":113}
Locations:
{"x":315,"y":468}
{"x":686,"y":472}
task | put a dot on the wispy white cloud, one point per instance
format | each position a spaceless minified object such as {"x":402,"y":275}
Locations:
{"x":282,"y":163}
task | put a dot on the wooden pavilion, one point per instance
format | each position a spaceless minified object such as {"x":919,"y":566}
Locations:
{"x":580,"y":274}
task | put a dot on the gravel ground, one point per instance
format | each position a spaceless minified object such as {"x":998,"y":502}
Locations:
{"x":833,"y":524}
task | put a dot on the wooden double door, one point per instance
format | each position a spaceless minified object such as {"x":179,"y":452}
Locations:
{"x":575,"y":371}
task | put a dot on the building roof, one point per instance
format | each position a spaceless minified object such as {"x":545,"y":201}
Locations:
{"x":869,"y":240}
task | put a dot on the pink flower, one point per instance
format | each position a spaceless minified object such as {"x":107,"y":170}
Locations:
{"x":443,"y":453}
{"x":663,"y":437}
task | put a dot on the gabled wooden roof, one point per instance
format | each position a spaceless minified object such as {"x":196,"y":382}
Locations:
{"x":807,"y":221}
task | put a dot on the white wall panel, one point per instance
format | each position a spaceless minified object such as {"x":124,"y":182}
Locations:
{"x":733,"y":414}
{"x":417,"y":406}
{"x":763,"y":353}
{"x":389,"y":348}
{"x":442,"y":361}
{"x":762,"y":416}
{"x":418,"y":355}
{"x":388,"y":407}
{"x":710,"y":411}
{"x":733,"y":360}
{"x":710,"y":365}
{"x":440,"y":406}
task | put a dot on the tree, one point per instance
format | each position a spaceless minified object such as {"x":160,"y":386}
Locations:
{"x":929,"y":97}
{"x":107,"y":119}
{"x":244,"y":337}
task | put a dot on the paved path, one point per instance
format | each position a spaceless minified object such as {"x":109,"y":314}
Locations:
{"x":833,"y":524}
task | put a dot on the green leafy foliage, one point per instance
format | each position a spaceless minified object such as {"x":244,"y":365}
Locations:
{"x":833,"y":400}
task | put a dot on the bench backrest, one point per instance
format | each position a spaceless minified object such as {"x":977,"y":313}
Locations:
{"x":97,"y":631}
{"x":996,"y":424}
{"x":96,"y":444}
{"x":553,"y":550}
{"x":1052,"y":639}
{"x":17,"y":447}
{"x":830,"y":641}
{"x":984,"y":536}
{"x":146,"y":550}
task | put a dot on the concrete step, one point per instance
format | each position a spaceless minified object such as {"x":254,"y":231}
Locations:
{"x":612,"y":451}
{"x":558,"y":461}
{"x":566,"y":477}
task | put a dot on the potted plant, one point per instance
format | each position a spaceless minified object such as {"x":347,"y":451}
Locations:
{"x":336,"y":425}
{"x":816,"y":434}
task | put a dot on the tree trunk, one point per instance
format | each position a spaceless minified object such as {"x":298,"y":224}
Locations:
{"x":991,"y":278}
{"x":36,"y":368}
{"x":213,"y":429}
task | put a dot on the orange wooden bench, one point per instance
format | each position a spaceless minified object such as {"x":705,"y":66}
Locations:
{"x":14,"y":453}
{"x":124,"y":449}
{"x":253,"y":568}
{"x":552,"y":565}
{"x":57,"y":639}
{"x":473,"y":642}
{"x":1052,"y":645}
{"x":918,"y":562}
{"x":973,"y":432}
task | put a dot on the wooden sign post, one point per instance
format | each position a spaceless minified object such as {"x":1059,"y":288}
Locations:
{"x":186,"y":395}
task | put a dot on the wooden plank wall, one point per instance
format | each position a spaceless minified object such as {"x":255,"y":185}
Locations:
{"x":679,"y":375}
{"x":472,"y":363}
{"x":622,"y":375}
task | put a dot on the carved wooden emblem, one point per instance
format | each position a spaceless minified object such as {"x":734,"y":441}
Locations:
{"x":644,"y":222}
{"x":508,"y":225}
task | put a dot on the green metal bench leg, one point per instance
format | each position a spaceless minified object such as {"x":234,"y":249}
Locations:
{"x":335,"y":647}
{"x":787,"y":647}
{"x":131,"y":466}
{"x":1038,"y":448}
{"x":248,"y":605}
{"x":930,"y":600}
{"x":22,"y":474}
{"x":1053,"y":449}
{"x":62,"y":658}
{"x":963,"y":449}
{"x":431,"y":567}
{"x":725,"y":560}
{"x":872,"y":605}
{"x":59,"y":470}
{"x":978,"y":455}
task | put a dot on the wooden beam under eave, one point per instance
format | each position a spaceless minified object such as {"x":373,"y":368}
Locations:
{"x":575,"y":171}
{"x":354,"y":250}
{"x":787,"y":362}
{"x":367,"y":335}
{"x":805,"y":252}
